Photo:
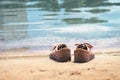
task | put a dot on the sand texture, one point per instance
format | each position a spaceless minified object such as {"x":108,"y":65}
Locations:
{"x":103,"y":67}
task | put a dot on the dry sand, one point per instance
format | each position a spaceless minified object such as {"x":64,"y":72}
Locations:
{"x":105,"y":66}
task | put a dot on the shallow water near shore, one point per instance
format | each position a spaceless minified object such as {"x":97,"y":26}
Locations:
{"x":40,"y":24}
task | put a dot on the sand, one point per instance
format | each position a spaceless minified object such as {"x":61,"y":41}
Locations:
{"x":105,"y":66}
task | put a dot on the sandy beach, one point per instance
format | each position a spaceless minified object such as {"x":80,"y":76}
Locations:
{"x":105,"y":66}
{"x":30,"y":30}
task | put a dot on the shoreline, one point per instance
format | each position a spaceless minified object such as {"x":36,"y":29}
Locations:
{"x":25,"y":53}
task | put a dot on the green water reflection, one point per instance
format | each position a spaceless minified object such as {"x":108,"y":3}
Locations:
{"x":52,"y":12}
{"x":81,"y":20}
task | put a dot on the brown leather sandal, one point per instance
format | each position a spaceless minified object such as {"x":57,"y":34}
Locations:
{"x":60,"y":53}
{"x":83,"y":53}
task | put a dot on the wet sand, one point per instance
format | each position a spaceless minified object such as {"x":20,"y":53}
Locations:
{"x":105,"y":66}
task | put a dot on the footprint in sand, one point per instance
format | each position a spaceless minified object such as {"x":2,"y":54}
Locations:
{"x":88,"y":68}
{"x":75,"y":73}
{"x":105,"y":70}
{"x":31,"y":71}
{"x":41,"y":70}
{"x":60,"y":73}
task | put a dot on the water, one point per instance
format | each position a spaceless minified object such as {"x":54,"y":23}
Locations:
{"x":40,"y":24}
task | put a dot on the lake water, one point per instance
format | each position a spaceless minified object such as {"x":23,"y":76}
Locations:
{"x":40,"y":24}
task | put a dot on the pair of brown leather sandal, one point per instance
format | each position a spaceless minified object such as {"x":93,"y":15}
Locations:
{"x":82,"y":53}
